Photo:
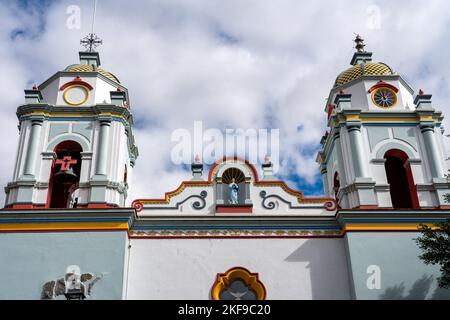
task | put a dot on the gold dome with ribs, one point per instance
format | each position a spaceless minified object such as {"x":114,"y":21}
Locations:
{"x":90,"y":68}
{"x":358,"y":70}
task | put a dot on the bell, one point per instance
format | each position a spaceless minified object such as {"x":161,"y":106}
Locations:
{"x":66,"y":177}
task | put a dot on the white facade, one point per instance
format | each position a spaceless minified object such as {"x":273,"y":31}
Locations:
{"x":187,"y":268}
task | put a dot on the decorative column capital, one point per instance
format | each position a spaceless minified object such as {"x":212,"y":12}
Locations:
{"x":354,"y":126}
{"x":48,"y":155}
{"x":336,"y":134}
{"x":105,"y":120}
{"x":425,"y":127}
{"x":86,"y":155}
{"x":37,"y":119}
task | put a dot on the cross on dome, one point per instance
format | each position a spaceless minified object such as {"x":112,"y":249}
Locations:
{"x":91,"y":41}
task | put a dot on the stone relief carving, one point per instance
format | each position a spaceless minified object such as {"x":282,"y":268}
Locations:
{"x":54,"y":288}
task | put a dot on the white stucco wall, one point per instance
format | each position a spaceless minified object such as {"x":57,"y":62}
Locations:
{"x":313,"y":268}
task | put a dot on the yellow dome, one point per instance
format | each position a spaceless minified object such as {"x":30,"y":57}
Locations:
{"x":90,"y":68}
{"x":368,"y":68}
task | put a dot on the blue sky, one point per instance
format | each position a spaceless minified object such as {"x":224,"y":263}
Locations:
{"x":241,"y":64}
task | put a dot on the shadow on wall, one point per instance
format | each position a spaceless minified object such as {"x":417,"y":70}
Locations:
{"x":419,"y":291}
{"x":327,"y":268}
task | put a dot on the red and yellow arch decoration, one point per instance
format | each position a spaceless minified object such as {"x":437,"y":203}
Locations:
{"x":224,"y":280}
{"x":330,"y":203}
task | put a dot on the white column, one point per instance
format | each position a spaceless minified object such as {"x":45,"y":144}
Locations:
{"x":219,"y":191}
{"x":340,"y":159}
{"x":248,"y":200}
{"x":86,"y":159}
{"x":433,"y":154}
{"x":323,"y":172}
{"x":32,"y":150}
{"x":102,"y":150}
{"x":357,"y":147}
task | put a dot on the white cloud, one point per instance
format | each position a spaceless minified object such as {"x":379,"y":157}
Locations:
{"x":229,"y":63}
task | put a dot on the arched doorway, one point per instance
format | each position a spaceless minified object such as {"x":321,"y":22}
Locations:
{"x":401,"y":183}
{"x":65,"y":175}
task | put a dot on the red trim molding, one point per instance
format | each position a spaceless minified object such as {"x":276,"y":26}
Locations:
{"x":99,"y":206}
{"x":76,"y":81}
{"x":234,"y":209}
{"x":26,"y":206}
{"x":235,"y":158}
{"x":382,"y":84}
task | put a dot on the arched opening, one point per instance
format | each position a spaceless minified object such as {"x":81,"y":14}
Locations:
{"x":65,"y":175}
{"x":233,"y":186}
{"x":401,"y":183}
{"x":336,"y":186}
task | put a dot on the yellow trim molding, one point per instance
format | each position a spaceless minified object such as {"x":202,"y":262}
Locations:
{"x":63,"y":226}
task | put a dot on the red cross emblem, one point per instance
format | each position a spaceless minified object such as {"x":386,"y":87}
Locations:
{"x":66,"y":162}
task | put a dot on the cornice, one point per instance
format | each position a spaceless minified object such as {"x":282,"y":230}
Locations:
{"x":49,"y":111}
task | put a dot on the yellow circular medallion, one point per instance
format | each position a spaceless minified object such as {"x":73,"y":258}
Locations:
{"x":76,"y":95}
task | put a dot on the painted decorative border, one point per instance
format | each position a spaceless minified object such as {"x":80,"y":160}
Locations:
{"x":138,"y":204}
{"x":234,"y":233}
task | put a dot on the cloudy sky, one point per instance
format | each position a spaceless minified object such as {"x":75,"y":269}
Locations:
{"x":231,"y":63}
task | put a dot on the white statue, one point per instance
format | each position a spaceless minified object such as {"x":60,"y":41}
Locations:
{"x":234,"y":188}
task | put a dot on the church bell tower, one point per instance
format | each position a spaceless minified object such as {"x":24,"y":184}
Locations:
{"x":384,"y":146}
{"x":76,"y":146}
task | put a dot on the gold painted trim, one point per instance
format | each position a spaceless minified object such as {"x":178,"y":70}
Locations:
{"x":174,"y":193}
{"x":224,"y":280}
{"x":352,"y":117}
{"x":62,"y":226}
{"x":71,"y":87}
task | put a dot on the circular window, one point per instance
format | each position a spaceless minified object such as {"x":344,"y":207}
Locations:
{"x":76,"y":95}
{"x":384,"y":98}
